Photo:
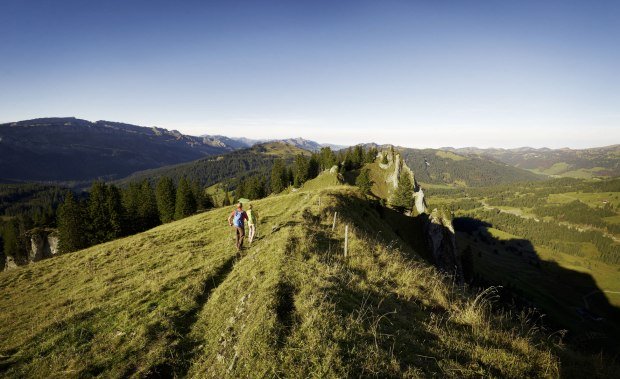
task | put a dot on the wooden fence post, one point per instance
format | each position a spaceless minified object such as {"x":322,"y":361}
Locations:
{"x":346,"y":239}
{"x":334,"y":224}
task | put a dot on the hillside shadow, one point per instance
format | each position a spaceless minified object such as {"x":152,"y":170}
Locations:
{"x":569,"y":299}
{"x":527,"y":280}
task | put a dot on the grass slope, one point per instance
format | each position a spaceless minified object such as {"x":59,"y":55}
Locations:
{"x":177,"y":300}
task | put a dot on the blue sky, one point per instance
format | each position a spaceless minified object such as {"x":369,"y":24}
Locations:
{"x":412,"y":73}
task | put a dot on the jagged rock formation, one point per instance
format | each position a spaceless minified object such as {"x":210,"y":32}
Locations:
{"x":418,"y":195}
{"x":442,"y":243}
{"x":420,"y":202}
{"x":392,"y":179}
{"x":41,"y":244}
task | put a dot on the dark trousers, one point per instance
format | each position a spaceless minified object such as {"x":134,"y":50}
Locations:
{"x":240,"y":234}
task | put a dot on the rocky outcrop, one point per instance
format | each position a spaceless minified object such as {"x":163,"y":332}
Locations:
{"x":420,"y":202}
{"x":442,"y":243}
{"x":43,"y":244}
{"x":40,"y":244}
{"x":392,"y":179}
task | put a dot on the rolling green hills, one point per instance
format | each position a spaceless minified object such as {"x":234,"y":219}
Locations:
{"x":177,"y":300}
{"x":574,"y":163}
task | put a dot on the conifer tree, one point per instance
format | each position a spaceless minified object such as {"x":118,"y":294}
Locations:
{"x":147,"y":206}
{"x":116,"y":213}
{"x":185,"y":201}
{"x":199,"y":194}
{"x":301,"y":170}
{"x":371,"y":155}
{"x":403,"y":196}
{"x":288,"y":177}
{"x":71,"y":225}
{"x":327,"y":158}
{"x":166,"y":198}
{"x":364,"y":182}
{"x":99,"y":226}
{"x":313,"y":166}
{"x":278,"y":176}
{"x":357,"y":157}
{"x":131,"y":203}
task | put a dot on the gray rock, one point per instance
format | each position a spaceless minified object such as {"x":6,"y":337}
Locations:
{"x":420,"y":202}
{"x":43,"y":244}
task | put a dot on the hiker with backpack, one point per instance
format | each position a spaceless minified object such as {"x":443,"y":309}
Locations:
{"x":236,"y":219}
{"x":252,"y":221}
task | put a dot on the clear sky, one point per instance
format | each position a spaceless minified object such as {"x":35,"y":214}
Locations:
{"x":412,"y":73}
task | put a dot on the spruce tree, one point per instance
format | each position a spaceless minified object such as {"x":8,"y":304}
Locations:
{"x":301,"y":170}
{"x":357,"y":157}
{"x":147,"y":206}
{"x":71,"y":225}
{"x":241,"y":191}
{"x":403,"y":196}
{"x":166,"y":197}
{"x":384,"y":159}
{"x":289,"y":176}
{"x":313,"y":166}
{"x":199,"y":194}
{"x":371,"y":155}
{"x":99,"y":226}
{"x":185,"y":201}
{"x":131,"y":202}
{"x":327,"y":158}
{"x":278,"y":176}
{"x":116,"y":213}
{"x":364,"y":182}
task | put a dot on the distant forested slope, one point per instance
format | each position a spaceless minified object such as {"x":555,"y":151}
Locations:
{"x":211,"y":170}
{"x":444,"y":167}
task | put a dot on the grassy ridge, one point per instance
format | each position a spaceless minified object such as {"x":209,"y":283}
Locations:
{"x":177,"y":300}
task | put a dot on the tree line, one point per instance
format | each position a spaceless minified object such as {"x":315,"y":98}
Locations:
{"x":109,"y":212}
{"x":303,"y":168}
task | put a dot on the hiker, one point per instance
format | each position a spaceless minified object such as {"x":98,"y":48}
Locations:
{"x":236,"y":219}
{"x":252,"y":221}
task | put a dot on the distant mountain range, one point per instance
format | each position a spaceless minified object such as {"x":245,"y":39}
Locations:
{"x":576,"y":163}
{"x":297,"y":142}
{"x":70,"y":149}
{"x":75,"y":150}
